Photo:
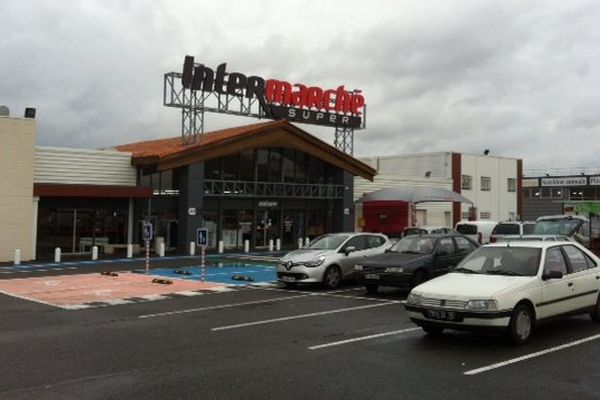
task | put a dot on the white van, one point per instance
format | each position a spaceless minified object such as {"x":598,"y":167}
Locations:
{"x":479,"y":231}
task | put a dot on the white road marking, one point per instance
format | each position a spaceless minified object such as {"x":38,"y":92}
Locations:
{"x":299,"y":316}
{"x":358,"y":339}
{"x":231,"y":305}
{"x":532,"y":355}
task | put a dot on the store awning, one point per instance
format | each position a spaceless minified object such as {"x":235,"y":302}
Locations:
{"x":414,"y":194}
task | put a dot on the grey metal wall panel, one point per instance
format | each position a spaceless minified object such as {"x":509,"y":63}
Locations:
{"x":84,"y":167}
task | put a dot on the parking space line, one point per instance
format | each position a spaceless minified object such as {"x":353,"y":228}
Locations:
{"x":231,"y":305}
{"x":361,"y":338}
{"x":299,"y":316}
{"x":532,"y":355}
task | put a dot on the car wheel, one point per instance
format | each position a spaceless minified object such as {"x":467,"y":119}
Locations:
{"x":595,"y":314}
{"x":521,"y":324}
{"x":332,"y":277}
{"x":433,"y":330}
{"x":371,"y":288}
{"x":419,"y":276}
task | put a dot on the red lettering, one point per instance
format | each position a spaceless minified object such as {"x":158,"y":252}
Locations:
{"x":278,"y":92}
{"x":315,"y":98}
{"x":327,"y":99}
{"x":342,"y":100}
{"x":356,"y":103}
{"x":299,"y":97}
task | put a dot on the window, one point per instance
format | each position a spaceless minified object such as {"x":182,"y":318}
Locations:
{"x":486,"y":183}
{"x":555,"y":261}
{"x":464,"y":215}
{"x":511,"y":185}
{"x":467,"y":182}
{"x":446,"y":246}
{"x":578,"y":260}
{"x":374,"y":241}
{"x":485,"y":215}
{"x":358,"y":242}
{"x":464,"y":246}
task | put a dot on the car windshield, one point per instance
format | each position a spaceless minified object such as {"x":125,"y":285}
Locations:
{"x":512,"y":261}
{"x":557,"y":226}
{"x":415,"y":245}
{"x":506,"y":229}
{"x":327,"y":242}
{"x":414,"y":231}
{"x":467,"y":229}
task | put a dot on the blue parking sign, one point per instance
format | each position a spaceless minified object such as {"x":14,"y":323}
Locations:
{"x":147,"y":231}
{"x":202,"y":237}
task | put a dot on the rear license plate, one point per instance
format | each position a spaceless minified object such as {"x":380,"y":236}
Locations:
{"x":441,"y":314}
{"x":288,"y":279}
{"x":372,"y":276}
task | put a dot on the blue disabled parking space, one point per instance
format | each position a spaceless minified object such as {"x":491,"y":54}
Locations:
{"x":228,"y":274}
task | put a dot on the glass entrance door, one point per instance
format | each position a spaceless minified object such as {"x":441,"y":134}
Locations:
{"x":267,"y":227}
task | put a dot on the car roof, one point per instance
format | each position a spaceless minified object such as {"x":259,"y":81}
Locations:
{"x":529,"y":243}
{"x":555,"y":217}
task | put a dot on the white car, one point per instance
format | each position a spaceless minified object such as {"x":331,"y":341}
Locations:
{"x":329,"y":258}
{"x":510,"y":287}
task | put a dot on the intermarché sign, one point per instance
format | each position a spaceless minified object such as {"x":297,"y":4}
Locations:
{"x":280,"y":99}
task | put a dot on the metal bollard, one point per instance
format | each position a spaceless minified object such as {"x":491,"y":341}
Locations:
{"x":270,"y":244}
{"x":221,"y":247}
{"x":299,"y":243}
{"x":57,"y":252}
{"x":306,"y":242}
{"x":161,"y":249}
{"x":246,"y":246}
{"x":17,"y":257}
{"x":95,"y":253}
{"x":278,"y":244}
{"x":129,"y":251}
{"x":192,"y":248}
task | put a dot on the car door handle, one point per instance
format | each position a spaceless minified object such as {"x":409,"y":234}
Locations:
{"x":570,"y":284}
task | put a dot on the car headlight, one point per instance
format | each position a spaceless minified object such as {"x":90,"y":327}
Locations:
{"x":358,"y":267}
{"x":315,"y":262}
{"x":413,"y":299}
{"x":482,"y":305}
{"x":397,"y":270}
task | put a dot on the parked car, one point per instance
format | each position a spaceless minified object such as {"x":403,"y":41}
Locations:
{"x":510,"y":287}
{"x":575,"y":226}
{"x":532,"y":237}
{"x":511,"y":229}
{"x":329,"y":258}
{"x":480,"y":231}
{"x":413,"y":260}
{"x":424,"y":230}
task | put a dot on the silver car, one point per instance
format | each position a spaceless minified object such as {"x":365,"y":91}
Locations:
{"x":329,"y":258}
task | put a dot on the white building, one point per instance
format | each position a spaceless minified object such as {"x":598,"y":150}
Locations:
{"x":490,"y":182}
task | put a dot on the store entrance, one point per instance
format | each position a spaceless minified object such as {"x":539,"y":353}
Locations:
{"x":292,"y":227}
{"x":267,"y":226}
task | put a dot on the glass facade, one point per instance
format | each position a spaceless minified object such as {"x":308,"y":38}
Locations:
{"x":77,"y":225}
{"x":259,"y":195}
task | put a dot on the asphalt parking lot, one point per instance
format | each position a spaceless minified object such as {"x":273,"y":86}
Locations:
{"x":267,"y":342}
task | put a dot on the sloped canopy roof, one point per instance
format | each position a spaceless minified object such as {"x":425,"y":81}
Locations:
{"x":172,"y":152}
{"x":414,"y":194}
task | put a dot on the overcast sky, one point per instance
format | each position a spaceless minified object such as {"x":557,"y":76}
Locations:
{"x":519,"y":78}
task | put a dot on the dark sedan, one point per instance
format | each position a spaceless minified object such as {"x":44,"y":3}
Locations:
{"x":413,"y":260}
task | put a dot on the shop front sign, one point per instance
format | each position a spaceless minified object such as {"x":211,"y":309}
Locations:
{"x":565,"y":181}
{"x":280,"y":99}
{"x":267,"y":204}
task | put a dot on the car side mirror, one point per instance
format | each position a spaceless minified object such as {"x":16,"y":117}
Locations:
{"x":349,"y":249}
{"x":552,"y":275}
